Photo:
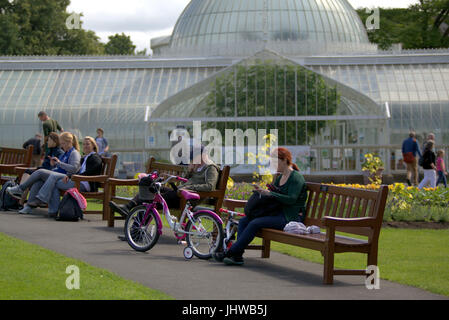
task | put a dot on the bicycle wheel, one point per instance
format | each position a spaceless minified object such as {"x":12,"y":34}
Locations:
{"x":205,"y":236}
{"x":141,"y":235}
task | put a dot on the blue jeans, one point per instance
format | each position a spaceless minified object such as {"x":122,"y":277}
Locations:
{"x":38,"y":175}
{"x":248,"y":229}
{"x":441,"y":178}
{"x":46,"y":191}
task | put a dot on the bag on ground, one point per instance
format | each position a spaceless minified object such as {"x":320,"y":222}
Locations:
{"x":72,"y":206}
{"x":7,"y":202}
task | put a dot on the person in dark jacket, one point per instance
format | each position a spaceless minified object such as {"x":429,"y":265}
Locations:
{"x":292,"y":195}
{"x":429,"y":166}
{"x":410,"y":149}
{"x":36,"y":143}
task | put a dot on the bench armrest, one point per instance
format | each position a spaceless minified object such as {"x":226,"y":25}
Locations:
{"x":123,"y":182}
{"x":11,"y":166}
{"x":231,"y":203}
{"x":349,"y":222}
{"x":89,"y":178}
{"x":23,"y":169}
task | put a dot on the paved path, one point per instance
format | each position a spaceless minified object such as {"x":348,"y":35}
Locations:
{"x":164,"y":268}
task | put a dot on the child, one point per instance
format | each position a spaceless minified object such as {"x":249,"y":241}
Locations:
{"x":441,"y":168}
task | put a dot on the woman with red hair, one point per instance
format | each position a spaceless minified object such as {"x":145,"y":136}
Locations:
{"x":292,"y":195}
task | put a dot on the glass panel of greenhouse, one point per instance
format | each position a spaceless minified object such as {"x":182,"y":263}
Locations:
{"x":327,"y":120}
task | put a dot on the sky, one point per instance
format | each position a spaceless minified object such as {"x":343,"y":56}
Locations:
{"x":146,"y":19}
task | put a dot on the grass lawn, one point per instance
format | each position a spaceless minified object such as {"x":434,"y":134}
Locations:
{"x":30,"y":272}
{"x":418,"y":258}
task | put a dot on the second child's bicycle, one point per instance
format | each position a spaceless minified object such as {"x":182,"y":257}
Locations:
{"x":203,"y":230}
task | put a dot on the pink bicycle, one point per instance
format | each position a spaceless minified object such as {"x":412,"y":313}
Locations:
{"x":203,"y":230}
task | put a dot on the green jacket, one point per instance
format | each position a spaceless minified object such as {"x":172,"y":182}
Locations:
{"x":205,"y":180}
{"x":293,"y":196}
{"x":49,"y":126}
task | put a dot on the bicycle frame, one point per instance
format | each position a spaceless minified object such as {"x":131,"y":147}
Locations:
{"x":177,"y":227}
{"x":230,"y":224}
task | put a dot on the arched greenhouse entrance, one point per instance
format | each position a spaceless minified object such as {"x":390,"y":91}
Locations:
{"x":327,"y":125}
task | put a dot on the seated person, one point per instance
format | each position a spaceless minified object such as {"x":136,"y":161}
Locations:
{"x":53,"y":150}
{"x":202,"y":177}
{"x":49,"y":191}
{"x":292,"y":196}
{"x":67,"y":163}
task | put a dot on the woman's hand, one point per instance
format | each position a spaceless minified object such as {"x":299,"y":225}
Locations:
{"x":65,"y":179}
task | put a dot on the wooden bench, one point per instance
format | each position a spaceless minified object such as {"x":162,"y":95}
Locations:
{"x":11,"y":158}
{"x":107,"y":172}
{"x":333,"y":208}
{"x":217,"y":196}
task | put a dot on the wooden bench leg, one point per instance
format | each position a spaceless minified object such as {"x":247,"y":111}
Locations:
{"x":266,"y":246}
{"x":329,"y":250}
{"x":328,"y":275}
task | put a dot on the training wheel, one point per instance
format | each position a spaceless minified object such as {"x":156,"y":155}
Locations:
{"x":188,"y":253}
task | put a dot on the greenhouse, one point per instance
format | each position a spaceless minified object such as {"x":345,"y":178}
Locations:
{"x":305,"y":68}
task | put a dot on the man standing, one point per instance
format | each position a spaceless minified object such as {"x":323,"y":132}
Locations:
{"x":48,"y":125}
{"x":409,"y":150}
{"x":36,"y":143}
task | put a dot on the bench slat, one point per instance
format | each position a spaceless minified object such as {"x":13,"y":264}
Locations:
{"x":349,"y":208}
{"x":342,"y":206}
{"x":364,"y":207}
{"x":356,"y":208}
{"x":335,"y":206}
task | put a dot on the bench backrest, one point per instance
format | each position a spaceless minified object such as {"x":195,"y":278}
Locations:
{"x":16,"y":156}
{"x":108,"y":166}
{"x":171,"y":169}
{"x":325,"y":200}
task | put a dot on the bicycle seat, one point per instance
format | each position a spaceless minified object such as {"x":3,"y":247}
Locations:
{"x":190,"y":195}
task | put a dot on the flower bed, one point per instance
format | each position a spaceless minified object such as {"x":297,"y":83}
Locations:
{"x":403,"y":204}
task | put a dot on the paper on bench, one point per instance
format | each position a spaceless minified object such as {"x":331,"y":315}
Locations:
{"x":300,"y":228}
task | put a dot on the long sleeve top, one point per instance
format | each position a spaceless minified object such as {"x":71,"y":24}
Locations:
{"x":204,"y":180}
{"x":73,"y":163}
{"x":292,"y":196}
{"x":410,"y":145}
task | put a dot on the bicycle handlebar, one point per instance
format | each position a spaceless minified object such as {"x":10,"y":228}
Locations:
{"x":174,"y":177}
{"x":232,"y":213}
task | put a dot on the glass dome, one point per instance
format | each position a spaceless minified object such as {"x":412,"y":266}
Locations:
{"x":220,"y":27}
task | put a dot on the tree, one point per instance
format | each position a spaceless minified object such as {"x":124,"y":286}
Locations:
{"x":38,"y":27}
{"x":267,"y":89}
{"x":120,"y":44}
{"x":417,"y":27}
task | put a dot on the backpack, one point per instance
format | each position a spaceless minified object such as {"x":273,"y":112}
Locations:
{"x":261,"y":206}
{"x":7,"y":202}
{"x":69,"y":208}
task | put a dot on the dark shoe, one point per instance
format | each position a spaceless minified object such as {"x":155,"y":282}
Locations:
{"x":409,"y":182}
{"x":119,"y":208}
{"x":121,"y":238}
{"x":220,"y":255}
{"x":233,"y":261}
{"x":36,"y":203}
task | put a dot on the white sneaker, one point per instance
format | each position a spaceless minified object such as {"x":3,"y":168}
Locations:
{"x":15,"y":192}
{"x":26,"y":209}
